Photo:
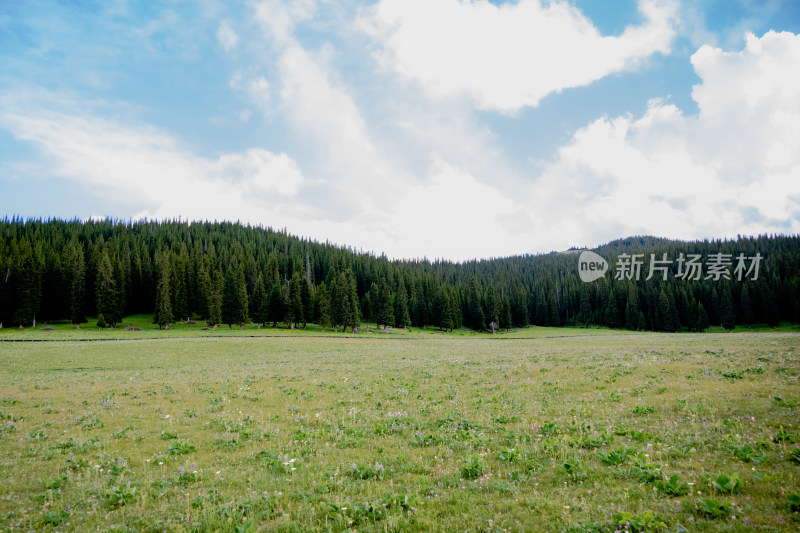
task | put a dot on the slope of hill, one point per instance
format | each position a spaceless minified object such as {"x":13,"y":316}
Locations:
{"x":226,"y":272}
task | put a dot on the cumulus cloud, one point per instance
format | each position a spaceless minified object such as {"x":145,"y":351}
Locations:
{"x":729,"y":169}
{"x":509,"y":56}
{"x":149,"y":170}
{"x":227,"y":38}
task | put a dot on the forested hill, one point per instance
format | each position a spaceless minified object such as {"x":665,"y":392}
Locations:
{"x":230,"y":273}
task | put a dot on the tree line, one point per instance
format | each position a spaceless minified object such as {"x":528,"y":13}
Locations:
{"x":229,"y":273}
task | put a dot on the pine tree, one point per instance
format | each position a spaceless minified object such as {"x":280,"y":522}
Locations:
{"x":771,"y":314}
{"x":453,"y":309}
{"x":475,"y":317}
{"x":555,"y":317}
{"x":727,"y":314}
{"x":77,"y":286}
{"x":611,"y":313}
{"x":349,"y":296}
{"x":519,"y":307}
{"x":492,"y":299}
{"x":541,"y":318}
{"x":444,"y":309}
{"x":163,"y":313}
{"x":305,"y":295}
{"x":106,"y":290}
{"x":27,"y":278}
{"x":180,"y":300}
{"x":234,"y":295}
{"x":402,"y":318}
{"x":632,"y":308}
{"x":323,"y":305}
{"x":691,"y":315}
{"x":295,"y":307}
{"x":702,"y":318}
{"x":747,"y":307}
{"x":258,"y":303}
{"x":667,"y":319}
{"x":276,"y":312}
{"x":120,"y":280}
{"x":505,"y":313}
{"x":204,"y":289}
{"x":419,"y":310}
{"x":215,"y":299}
{"x":385,"y":312}
{"x":585,"y":309}
{"x":642,"y":322}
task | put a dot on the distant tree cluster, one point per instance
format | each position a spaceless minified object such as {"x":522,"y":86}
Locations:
{"x":228,"y":273}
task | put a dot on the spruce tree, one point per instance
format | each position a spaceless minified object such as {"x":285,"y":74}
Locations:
{"x":258,"y":303}
{"x":106,"y":290}
{"x":632,"y":308}
{"x":611,"y":314}
{"x":771,"y":314}
{"x":444,"y":309}
{"x":727,"y":314}
{"x":747,"y":307}
{"x":452,"y":311}
{"x":234,"y":295}
{"x":419,"y":310}
{"x":541,"y":317}
{"x":323,"y":306}
{"x":204,"y":290}
{"x":295,"y":307}
{"x":349,"y":295}
{"x":519,"y":307}
{"x":77,"y":286}
{"x":702,"y":318}
{"x":27,"y":278}
{"x":163,"y":313}
{"x":555,"y":317}
{"x":215,"y":299}
{"x":180,"y":300}
{"x":385,"y":312}
{"x":402,"y":318}
{"x":585,"y":309}
{"x":642,"y":322}
{"x":475,"y":317}
{"x":492,"y":312}
{"x":505,"y":313}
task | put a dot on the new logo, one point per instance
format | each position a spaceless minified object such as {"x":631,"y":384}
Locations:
{"x":591,"y":266}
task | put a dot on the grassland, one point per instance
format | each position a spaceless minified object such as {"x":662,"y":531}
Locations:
{"x":537,"y":430}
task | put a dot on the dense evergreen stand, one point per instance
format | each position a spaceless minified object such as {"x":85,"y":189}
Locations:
{"x":229,"y":273}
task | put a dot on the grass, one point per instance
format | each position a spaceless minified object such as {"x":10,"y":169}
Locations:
{"x":145,"y":329}
{"x":588,"y":431}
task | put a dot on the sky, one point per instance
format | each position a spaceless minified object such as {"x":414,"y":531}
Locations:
{"x":453,"y":129}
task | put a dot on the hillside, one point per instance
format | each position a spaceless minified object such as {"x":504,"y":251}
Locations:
{"x":226,"y":272}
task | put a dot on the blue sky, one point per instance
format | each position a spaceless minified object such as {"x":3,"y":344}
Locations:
{"x":435,"y":128}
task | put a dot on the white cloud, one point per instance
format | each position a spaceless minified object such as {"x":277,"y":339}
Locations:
{"x":413,"y":176}
{"x":147,"y":169}
{"x":509,"y":56}
{"x":255,"y":88}
{"x":226,"y":36}
{"x":730,"y":169}
{"x":279,"y":18}
{"x":261,"y":171}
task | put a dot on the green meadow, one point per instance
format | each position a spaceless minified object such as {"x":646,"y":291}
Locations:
{"x":272,"y":430}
